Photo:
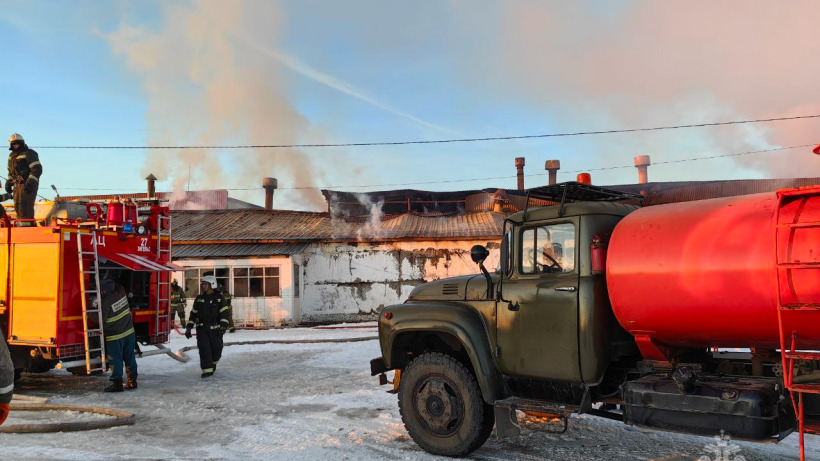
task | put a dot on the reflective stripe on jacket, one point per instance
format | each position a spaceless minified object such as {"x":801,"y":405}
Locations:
{"x":117,"y":315}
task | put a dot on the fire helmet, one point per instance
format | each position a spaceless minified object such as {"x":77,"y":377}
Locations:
{"x":16,"y":137}
{"x":210,"y":279}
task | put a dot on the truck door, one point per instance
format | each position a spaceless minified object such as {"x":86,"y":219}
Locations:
{"x":538,"y":317}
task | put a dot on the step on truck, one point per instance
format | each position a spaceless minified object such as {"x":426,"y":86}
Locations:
{"x":696,"y":317}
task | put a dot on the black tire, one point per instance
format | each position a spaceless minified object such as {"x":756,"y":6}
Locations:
{"x":441,"y":406}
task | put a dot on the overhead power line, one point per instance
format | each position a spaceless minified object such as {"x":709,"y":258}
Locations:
{"x":448,"y":181}
{"x":444,"y":141}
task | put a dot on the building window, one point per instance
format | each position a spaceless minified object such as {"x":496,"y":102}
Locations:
{"x":193,"y":277}
{"x":295,"y":280}
{"x":255,"y":282}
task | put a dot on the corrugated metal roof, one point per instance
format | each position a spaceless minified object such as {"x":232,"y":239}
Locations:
{"x":292,"y":226}
{"x":232,"y":250}
{"x":209,"y":225}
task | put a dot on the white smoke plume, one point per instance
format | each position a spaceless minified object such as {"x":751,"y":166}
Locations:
{"x":372,"y":228}
{"x":204,"y":87}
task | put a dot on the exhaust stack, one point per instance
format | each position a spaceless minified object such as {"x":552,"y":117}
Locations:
{"x":270,"y":185}
{"x":152,"y":185}
{"x":642,"y":164}
{"x":519,"y":166}
{"x":552,"y":166}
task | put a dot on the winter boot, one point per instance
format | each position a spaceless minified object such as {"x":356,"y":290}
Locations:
{"x":131,"y":384}
{"x":116,"y":386}
{"x":207,"y":374}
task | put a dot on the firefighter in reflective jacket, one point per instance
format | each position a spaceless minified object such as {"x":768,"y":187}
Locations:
{"x":6,"y":378}
{"x":120,"y":339}
{"x":178,"y":302}
{"x":24,"y":176}
{"x":210,"y":316}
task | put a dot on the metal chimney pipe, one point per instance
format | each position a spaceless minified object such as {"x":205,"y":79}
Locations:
{"x":552,"y":166}
{"x":152,"y":183}
{"x":642,"y":164}
{"x":519,"y":166}
{"x":270,"y":185}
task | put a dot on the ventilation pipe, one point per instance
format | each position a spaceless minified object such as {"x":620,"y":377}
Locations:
{"x":552,"y":166}
{"x":270,"y":185}
{"x":584,"y":178}
{"x":642,"y":164}
{"x":152,"y":185}
{"x":519,"y":166}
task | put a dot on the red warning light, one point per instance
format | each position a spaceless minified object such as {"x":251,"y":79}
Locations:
{"x":817,"y":149}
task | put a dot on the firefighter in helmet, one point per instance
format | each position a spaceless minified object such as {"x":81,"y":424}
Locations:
{"x":178,"y":302}
{"x":6,"y":378}
{"x":24,"y":176}
{"x":209,"y":315}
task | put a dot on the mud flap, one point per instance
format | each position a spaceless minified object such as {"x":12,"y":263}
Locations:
{"x":506,"y":422}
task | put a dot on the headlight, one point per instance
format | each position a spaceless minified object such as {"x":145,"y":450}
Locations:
{"x":141,"y":230}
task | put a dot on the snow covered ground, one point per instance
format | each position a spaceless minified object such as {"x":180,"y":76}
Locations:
{"x":304,"y":402}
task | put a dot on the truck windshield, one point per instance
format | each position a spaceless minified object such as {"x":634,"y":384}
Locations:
{"x":546,"y":249}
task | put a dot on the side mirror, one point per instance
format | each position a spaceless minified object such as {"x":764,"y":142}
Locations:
{"x":479,"y":253}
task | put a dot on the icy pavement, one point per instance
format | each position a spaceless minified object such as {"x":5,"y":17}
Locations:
{"x":305,"y":402}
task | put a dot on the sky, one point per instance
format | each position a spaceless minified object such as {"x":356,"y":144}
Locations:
{"x":251,"y":72}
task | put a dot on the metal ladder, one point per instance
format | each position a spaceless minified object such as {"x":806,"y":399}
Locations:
{"x":163,"y":291}
{"x":91,"y":299}
{"x":789,"y":314}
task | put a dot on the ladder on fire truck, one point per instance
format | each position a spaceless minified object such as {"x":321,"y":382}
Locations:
{"x":163,"y":294}
{"x":793,"y":310}
{"x":91,"y":300}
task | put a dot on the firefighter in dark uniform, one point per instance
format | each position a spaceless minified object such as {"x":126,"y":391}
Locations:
{"x":209,"y":315}
{"x":6,"y":378}
{"x":120,"y":339}
{"x":178,"y":302}
{"x":24,"y":176}
{"x":224,"y":291}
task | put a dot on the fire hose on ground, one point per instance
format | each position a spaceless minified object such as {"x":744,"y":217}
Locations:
{"x":122,"y":418}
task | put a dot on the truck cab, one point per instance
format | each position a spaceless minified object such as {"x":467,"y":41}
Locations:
{"x":539,"y":329}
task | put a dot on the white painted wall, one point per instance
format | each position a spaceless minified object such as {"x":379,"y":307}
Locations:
{"x":348,"y":282}
{"x":255,"y":311}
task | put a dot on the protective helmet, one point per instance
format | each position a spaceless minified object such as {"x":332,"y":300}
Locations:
{"x":16,"y":137}
{"x":209,"y":279}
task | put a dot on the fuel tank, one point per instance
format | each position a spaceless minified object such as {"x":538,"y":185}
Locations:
{"x":705,"y":273}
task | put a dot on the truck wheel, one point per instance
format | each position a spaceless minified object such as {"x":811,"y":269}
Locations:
{"x":441,"y":406}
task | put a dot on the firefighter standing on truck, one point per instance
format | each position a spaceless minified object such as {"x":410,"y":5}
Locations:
{"x":210,"y":316}
{"x":178,"y":302}
{"x":6,"y":378}
{"x":24,"y":176}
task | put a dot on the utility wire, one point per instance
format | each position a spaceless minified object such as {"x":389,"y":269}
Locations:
{"x":443,"y":141}
{"x":665,"y":162}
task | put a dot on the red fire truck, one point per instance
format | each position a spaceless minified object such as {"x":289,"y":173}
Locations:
{"x":50,"y":271}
